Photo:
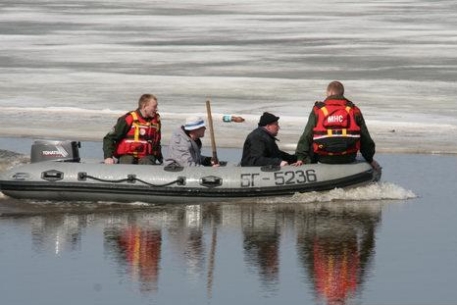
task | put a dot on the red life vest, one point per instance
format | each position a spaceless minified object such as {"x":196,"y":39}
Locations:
{"x":336,"y":131}
{"x":143,"y":138}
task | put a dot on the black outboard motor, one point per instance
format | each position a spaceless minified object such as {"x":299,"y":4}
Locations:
{"x":64,"y":151}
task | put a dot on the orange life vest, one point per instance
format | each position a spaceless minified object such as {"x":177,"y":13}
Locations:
{"x":143,"y":138}
{"x":336,"y":131}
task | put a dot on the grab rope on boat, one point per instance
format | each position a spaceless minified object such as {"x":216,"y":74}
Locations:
{"x":130,"y":179}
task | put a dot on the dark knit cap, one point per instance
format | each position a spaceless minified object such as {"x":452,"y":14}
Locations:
{"x":267,"y":118}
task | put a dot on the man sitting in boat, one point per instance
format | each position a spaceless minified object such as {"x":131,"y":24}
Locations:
{"x":260,"y":146}
{"x":135,"y":139}
{"x":185,"y":144}
{"x":335,"y":132}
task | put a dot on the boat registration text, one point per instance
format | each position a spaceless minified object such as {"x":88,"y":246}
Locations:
{"x":287,"y":177}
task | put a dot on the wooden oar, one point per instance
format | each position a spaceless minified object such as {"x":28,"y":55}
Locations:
{"x":215,"y":160}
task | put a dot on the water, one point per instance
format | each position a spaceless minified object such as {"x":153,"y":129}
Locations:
{"x":68,"y":69}
{"x":380,"y":244}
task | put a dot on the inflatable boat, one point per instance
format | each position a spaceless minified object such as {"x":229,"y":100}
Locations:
{"x":57,"y":173}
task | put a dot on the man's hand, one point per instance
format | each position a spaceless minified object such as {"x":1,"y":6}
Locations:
{"x":109,"y":161}
{"x":298,"y":163}
{"x":376,"y":166}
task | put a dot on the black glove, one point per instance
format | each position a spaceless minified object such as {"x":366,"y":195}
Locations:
{"x":159,"y":159}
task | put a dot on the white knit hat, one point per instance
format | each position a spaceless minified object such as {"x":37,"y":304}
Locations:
{"x":193,"y":123}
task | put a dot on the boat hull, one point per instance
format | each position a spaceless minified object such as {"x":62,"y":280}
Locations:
{"x":74,"y":181}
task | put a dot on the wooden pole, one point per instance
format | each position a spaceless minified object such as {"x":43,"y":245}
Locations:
{"x":211,"y":131}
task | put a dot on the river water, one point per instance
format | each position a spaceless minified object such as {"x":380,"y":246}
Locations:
{"x":68,"y":69}
{"x":386,"y":243}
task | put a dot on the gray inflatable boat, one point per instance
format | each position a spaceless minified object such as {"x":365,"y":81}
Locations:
{"x":57,"y":173}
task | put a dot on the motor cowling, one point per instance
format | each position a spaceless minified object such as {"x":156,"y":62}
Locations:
{"x":48,"y":150}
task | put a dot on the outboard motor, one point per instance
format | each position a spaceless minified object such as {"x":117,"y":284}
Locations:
{"x":64,"y":151}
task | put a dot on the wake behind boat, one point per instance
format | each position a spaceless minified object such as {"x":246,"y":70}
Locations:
{"x":57,"y":173}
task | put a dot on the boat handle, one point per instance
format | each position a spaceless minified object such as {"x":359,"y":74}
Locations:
{"x":52,"y":175}
{"x":211,"y":181}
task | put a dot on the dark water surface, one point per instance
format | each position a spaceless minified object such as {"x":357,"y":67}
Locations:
{"x":334,"y":252}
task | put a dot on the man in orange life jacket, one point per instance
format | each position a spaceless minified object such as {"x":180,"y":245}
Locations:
{"x":135,"y":139}
{"x":335,"y":132}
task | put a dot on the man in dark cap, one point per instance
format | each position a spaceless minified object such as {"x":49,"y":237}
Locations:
{"x":260,"y":147}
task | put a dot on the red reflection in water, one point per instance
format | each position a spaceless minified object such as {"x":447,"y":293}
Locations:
{"x":142,"y":253}
{"x":335,"y":274}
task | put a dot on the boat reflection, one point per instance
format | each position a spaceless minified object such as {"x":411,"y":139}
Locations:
{"x":58,"y":232}
{"x":333,"y":243}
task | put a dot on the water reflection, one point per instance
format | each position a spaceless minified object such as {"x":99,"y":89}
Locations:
{"x":334,"y":243}
{"x":135,"y":241}
{"x":137,"y":250}
{"x":261,"y":231}
{"x":336,"y":248}
{"x":57,"y":233}
{"x":186,"y":239}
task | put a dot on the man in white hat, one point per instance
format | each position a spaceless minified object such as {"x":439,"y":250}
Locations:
{"x":185,"y":144}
